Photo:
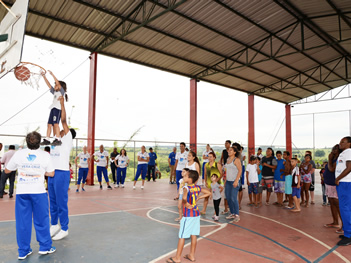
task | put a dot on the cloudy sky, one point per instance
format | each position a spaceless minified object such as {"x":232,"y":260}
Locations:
{"x":130,"y":96}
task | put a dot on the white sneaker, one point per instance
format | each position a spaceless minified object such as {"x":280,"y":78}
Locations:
{"x":60,"y":235}
{"x":25,"y":256}
{"x":116,"y":185}
{"x":142,"y":187}
{"x":122,"y":185}
{"x":50,"y":251}
{"x":133,"y":187}
{"x":54,"y":230}
{"x":216,"y":218}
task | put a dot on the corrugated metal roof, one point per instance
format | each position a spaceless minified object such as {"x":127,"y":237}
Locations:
{"x":278,"y":49}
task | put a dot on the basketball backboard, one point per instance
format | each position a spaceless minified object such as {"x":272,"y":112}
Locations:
{"x":12,"y":29}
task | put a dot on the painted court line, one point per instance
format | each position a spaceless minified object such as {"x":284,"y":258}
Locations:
{"x":203,"y":219}
{"x":275,"y":242}
{"x":301,"y":232}
{"x":200,"y":238}
{"x":325,"y":255}
{"x":249,"y":252}
{"x":172,"y":224}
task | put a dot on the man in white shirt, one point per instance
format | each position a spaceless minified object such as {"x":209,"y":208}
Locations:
{"x":181,"y":161}
{"x":31,"y":197}
{"x":59,"y":184}
{"x":84,"y":163}
{"x":343,"y":182}
{"x":11,"y":176}
{"x":102,"y":165}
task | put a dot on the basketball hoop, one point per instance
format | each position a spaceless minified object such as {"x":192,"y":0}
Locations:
{"x":29,"y":73}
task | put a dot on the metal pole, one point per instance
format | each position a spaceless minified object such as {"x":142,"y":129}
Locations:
{"x":313,"y":138}
{"x":134,"y":159}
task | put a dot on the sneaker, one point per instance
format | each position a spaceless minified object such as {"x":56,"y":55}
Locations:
{"x":54,"y":230}
{"x":230,"y":217}
{"x":77,"y":191}
{"x":216,"y":218}
{"x":60,"y":235}
{"x":133,"y":187}
{"x":344,"y":242}
{"x":10,"y":196}
{"x":56,"y":142}
{"x":324,"y":204}
{"x":100,"y":187}
{"x":50,"y":251}
{"x":224,"y":212}
{"x":342,"y":236}
{"x":213,"y":217}
{"x":83,"y":189}
{"x":25,"y":256}
{"x":236,"y":219}
{"x":117,"y":185}
{"x":122,"y":185}
{"x":109,"y":187}
{"x":45,"y":142}
{"x":142,"y":187}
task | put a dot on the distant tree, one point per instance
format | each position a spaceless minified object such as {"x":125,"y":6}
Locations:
{"x":320,"y":153}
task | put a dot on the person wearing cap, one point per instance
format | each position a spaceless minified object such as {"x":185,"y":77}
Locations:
{"x":151,"y":166}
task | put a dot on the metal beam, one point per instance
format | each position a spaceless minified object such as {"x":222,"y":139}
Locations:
{"x":237,"y":41}
{"x":295,"y":12}
{"x":146,"y":20}
{"x":273,"y":34}
{"x":339,"y":13}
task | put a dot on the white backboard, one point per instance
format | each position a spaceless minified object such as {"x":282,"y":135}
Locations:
{"x":13,"y":24}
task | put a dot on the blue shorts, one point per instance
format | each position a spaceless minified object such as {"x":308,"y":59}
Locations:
{"x":296,"y":192}
{"x":253,"y":188}
{"x":55,"y":116}
{"x":288,"y":183}
{"x":189,"y":226}
{"x":279,"y":186}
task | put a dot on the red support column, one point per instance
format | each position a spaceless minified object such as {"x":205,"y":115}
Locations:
{"x":193,"y":114}
{"x":251,"y":141}
{"x":288,"y":128}
{"x":91,"y":115}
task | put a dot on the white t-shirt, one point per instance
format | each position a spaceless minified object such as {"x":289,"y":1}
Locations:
{"x":341,"y":165}
{"x":83,"y":159}
{"x":102,"y":158}
{"x":259,"y":155}
{"x":122,"y":161}
{"x":182,"y":160}
{"x":31,"y":165}
{"x":60,"y":154}
{"x":252,"y":170}
{"x":55,"y":102}
{"x":143,"y":156}
{"x":206,"y":155}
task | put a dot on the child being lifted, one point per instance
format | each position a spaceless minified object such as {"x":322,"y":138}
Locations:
{"x":58,"y":90}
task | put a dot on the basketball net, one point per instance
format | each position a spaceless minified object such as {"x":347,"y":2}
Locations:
{"x":36,"y":72}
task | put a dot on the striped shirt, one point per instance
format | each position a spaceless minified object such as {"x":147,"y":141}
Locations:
{"x":193,"y":193}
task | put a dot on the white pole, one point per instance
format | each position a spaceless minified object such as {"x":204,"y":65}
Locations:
{"x":313,"y":138}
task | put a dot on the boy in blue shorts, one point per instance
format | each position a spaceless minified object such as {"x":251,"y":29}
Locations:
{"x":190,"y":223}
{"x":252,"y":172}
{"x":296,"y":185}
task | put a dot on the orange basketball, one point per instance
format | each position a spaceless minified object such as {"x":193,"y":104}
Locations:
{"x":22,"y":73}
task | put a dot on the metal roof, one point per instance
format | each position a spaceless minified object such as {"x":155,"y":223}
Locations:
{"x":278,"y":49}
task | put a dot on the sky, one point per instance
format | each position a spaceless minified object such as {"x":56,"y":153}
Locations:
{"x":131,"y":96}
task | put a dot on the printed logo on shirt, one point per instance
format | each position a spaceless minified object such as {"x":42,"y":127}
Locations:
{"x":53,"y":147}
{"x":181,"y":159}
{"x":122,"y":161}
{"x":31,"y":157}
{"x":85,"y":159}
{"x":102,"y":157}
